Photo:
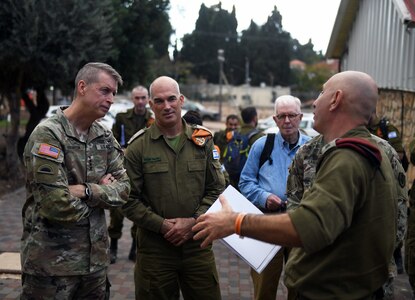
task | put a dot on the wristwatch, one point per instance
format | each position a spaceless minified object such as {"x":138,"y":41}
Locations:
{"x":87,"y":192}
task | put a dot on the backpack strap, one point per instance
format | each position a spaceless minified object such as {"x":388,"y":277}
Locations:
{"x":267,"y":150}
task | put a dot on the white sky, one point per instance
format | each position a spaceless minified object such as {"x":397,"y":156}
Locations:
{"x":303,"y":19}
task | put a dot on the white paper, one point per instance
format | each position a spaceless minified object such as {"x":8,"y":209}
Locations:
{"x":255,"y":253}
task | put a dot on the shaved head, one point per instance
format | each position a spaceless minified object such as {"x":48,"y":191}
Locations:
{"x":360,"y":91}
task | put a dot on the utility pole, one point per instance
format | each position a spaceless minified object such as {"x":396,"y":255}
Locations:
{"x":221,"y":59}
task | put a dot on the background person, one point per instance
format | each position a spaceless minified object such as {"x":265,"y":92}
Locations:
{"x":221,"y":138}
{"x":175,"y":176}
{"x":341,"y":215}
{"x":74,"y":169}
{"x":265,"y":185}
{"x":125,"y":126}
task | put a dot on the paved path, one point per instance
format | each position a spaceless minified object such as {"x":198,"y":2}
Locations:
{"x":234,"y":276}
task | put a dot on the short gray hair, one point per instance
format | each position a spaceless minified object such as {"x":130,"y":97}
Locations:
{"x":287,"y":99}
{"x":89,"y":73}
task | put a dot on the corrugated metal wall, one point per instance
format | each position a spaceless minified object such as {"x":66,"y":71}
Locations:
{"x":382,"y":46}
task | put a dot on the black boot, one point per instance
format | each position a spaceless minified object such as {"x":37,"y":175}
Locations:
{"x":113,"y":250}
{"x":133,"y":251}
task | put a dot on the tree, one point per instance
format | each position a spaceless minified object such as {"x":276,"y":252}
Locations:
{"x":215,"y":29}
{"x":141,"y":34}
{"x":43,"y":43}
{"x":306,"y":52}
{"x":270,"y":61}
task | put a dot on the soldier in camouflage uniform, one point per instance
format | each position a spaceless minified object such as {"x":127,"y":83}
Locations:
{"x":384,"y":129}
{"x":410,"y":236}
{"x":175,"y":176}
{"x":125,"y":126}
{"x":74,"y":170}
{"x":302,"y":174}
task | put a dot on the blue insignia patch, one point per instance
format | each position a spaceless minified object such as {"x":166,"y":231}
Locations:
{"x":392,"y":135}
{"x":215,"y":154}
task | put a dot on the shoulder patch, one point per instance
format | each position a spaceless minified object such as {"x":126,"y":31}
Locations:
{"x":392,"y":135}
{"x":200,"y":135}
{"x":49,"y":150}
{"x":137,"y":134}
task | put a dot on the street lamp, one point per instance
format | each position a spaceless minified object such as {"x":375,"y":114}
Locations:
{"x":221,"y":59}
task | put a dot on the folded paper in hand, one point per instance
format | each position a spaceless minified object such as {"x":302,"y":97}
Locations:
{"x":255,"y":253}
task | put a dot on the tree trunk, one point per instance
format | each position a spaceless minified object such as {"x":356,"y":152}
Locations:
{"x":37,"y":112}
{"x":13,"y":165}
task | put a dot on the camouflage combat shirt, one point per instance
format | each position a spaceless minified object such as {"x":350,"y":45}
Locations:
{"x":64,"y":235}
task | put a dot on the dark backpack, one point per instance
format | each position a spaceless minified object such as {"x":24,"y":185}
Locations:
{"x":236,"y":153}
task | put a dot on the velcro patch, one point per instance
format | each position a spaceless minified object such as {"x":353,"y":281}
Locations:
{"x":49,"y":150}
{"x":392,"y":135}
{"x":45,"y":169}
{"x":215,"y":154}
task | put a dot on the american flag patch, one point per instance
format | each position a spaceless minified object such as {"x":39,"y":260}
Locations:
{"x":49,"y":150}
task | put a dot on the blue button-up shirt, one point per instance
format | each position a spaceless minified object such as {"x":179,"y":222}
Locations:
{"x":257,"y":185}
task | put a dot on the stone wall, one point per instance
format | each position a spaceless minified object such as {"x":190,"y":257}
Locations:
{"x":399,"y":108}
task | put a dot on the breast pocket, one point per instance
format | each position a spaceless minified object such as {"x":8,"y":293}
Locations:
{"x":196,"y":175}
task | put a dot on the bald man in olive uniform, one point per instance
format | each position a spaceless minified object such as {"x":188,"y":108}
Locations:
{"x":343,"y":231}
{"x":175,"y":176}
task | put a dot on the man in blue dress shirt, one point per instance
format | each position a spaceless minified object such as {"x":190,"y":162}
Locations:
{"x":265,"y":185}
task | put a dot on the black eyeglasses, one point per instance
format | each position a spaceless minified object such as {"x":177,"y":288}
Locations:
{"x":290,"y":116}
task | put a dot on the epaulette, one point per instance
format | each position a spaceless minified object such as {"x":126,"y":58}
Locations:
{"x":137,"y":134}
{"x":362,"y":146}
{"x":200,"y":135}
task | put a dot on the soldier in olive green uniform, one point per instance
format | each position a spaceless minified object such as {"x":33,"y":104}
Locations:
{"x":343,"y":231}
{"x":74,"y":170}
{"x":221,"y":138}
{"x":249,"y":130}
{"x":302,"y":174}
{"x":175,"y":177}
{"x":126,"y":125}
{"x":410,"y":237}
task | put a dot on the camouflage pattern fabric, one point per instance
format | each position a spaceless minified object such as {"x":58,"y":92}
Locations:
{"x":64,"y":235}
{"x":91,"y":286}
{"x":410,"y":237}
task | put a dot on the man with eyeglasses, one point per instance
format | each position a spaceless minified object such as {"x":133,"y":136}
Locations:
{"x":265,"y":185}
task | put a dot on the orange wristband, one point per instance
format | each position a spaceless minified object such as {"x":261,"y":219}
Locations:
{"x":238,"y":222}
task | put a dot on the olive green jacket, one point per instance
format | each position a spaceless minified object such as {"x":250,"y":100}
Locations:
{"x":170,"y":184}
{"x":348,"y":214}
{"x":128,"y":123}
